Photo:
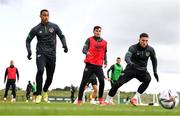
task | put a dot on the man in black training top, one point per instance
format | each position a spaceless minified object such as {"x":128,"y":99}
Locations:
{"x":136,"y":59}
{"x":45,"y":51}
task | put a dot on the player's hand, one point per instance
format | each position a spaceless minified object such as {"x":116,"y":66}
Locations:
{"x":29,"y":56}
{"x":156,"y":76}
{"x":109,"y":79}
{"x":105,"y":65}
{"x":65,"y":49}
{"x":88,"y":53}
{"x":133,"y":65}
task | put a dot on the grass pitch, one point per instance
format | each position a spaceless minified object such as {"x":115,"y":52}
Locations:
{"x":22,"y":108}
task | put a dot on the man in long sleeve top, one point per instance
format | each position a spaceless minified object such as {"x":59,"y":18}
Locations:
{"x":116,"y":71}
{"x":95,"y":49}
{"x":137,"y":59}
{"x":45,"y":51}
{"x":10,"y":74}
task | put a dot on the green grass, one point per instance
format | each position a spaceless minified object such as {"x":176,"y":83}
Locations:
{"x":21,"y":108}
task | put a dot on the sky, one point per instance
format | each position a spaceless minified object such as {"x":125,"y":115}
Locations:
{"x":121,"y":20}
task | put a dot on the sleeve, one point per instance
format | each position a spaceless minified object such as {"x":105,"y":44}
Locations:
{"x":110,"y":69}
{"x":31,"y":35}
{"x":61,"y":36}
{"x":5,"y":75}
{"x":154,"y":60}
{"x":105,"y":56}
{"x":129,"y":55}
{"x":17,"y":72}
{"x":86,"y":47}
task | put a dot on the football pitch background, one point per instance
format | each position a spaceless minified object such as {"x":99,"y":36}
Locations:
{"x":22,"y":108}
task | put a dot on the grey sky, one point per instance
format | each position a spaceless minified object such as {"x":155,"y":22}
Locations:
{"x":122,"y":22}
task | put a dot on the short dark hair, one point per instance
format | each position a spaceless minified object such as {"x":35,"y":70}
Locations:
{"x":118,"y":58}
{"x":143,"y":35}
{"x":96,"y":27}
{"x":43,"y":11}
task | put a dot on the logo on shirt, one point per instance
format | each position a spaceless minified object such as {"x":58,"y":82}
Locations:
{"x":147,"y":54}
{"x":86,"y":69}
{"x":40,"y":31}
{"x":51,"y":30}
{"x":39,"y":55}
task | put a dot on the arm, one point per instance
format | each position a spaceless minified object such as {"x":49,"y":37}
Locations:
{"x":6,"y":72}
{"x":28,"y":42}
{"x":129,"y":55}
{"x":17,"y":72}
{"x":154,"y":61}
{"x":105,"y":57}
{"x":154,"y":64}
{"x":111,"y":68}
{"x":62,"y":38}
{"x":86,"y":47}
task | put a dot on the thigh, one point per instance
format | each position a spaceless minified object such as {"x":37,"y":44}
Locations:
{"x":127,"y":76}
{"x":99,"y":73}
{"x":40,"y":61}
{"x":93,"y":80}
{"x":88,"y":71}
{"x":143,"y":77}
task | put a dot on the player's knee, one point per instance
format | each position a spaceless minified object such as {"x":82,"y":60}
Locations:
{"x":40,"y":71}
{"x":148,"y":80}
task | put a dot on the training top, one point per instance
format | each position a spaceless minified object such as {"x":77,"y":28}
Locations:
{"x":11,"y":73}
{"x":46,"y":38}
{"x":139,"y":56}
{"x":116,"y":71}
{"x":96,"y":49}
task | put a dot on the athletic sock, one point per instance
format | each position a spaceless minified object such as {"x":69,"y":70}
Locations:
{"x":137,"y":95}
{"x":108,"y":99}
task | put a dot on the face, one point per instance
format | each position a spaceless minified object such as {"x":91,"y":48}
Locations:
{"x":118,"y":61}
{"x":44,"y":17}
{"x":143,"y":41}
{"x":97,"y":32}
{"x":11,"y":62}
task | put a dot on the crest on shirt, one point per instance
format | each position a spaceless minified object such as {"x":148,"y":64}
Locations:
{"x":51,"y":30}
{"x":147,"y":53}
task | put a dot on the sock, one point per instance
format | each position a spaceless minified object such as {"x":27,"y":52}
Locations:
{"x":137,"y":95}
{"x":108,"y":99}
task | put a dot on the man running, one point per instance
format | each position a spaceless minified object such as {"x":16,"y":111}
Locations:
{"x":95,"y":49}
{"x":137,"y":59}
{"x":45,"y":51}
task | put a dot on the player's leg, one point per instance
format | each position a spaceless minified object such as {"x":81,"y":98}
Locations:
{"x":88,"y":71}
{"x":128,"y":75}
{"x":6,"y":90}
{"x":13,"y":83}
{"x":145,"y":78}
{"x":50,"y":67}
{"x":40,"y":62}
{"x":100,"y":75}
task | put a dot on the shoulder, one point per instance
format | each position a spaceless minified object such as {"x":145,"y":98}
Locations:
{"x":150,"y":48}
{"x":37,"y":27}
{"x":133,"y":47}
{"x":53,"y":24}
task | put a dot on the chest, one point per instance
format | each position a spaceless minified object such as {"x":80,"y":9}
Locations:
{"x":44,"y":31}
{"x":145,"y":54}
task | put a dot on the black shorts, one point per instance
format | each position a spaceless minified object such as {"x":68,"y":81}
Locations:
{"x":92,"y":80}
